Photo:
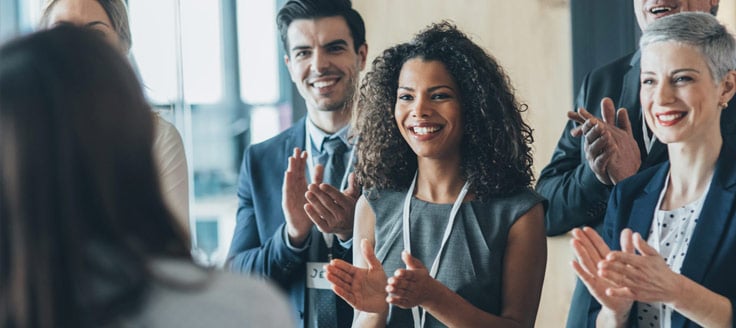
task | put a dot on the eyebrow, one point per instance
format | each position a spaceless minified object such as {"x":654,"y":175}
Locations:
{"x":338,"y":42}
{"x":90,"y":24}
{"x":680,"y":70}
{"x":430,"y":89}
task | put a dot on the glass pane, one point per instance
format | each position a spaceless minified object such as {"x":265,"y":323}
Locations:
{"x":152,"y":25}
{"x":264,"y":123}
{"x":202,"y":51}
{"x":257,"y":47}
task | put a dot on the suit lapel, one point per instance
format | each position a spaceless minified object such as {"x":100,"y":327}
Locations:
{"x":717,"y":210}
{"x":296,"y":138}
{"x":642,"y":213}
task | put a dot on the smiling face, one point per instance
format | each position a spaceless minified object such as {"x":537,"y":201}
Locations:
{"x":648,"y":11}
{"x":428,"y":111}
{"x":322,"y":62}
{"x":84,"y":13}
{"x":680,"y":99}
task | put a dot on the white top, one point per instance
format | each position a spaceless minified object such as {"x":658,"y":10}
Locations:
{"x":168,"y":152}
{"x":670,"y":234}
{"x":214,"y":299}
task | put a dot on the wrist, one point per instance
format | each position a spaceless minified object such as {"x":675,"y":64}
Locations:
{"x":296,"y":237}
{"x":434,"y":294}
{"x":610,"y":318}
{"x":345,"y":236}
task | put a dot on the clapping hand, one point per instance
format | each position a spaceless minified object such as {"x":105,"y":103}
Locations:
{"x":610,"y":148}
{"x":362,"y":288}
{"x":329,"y":208}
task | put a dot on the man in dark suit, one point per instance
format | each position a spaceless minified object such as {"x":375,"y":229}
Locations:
{"x":286,"y":231}
{"x":601,"y":147}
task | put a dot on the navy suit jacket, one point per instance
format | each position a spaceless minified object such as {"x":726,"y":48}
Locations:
{"x":258,"y":246}
{"x":711,"y":255}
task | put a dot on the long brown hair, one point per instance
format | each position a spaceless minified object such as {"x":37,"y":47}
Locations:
{"x":80,"y":208}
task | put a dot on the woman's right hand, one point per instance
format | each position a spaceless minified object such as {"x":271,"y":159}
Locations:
{"x":590,"y":249}
{"x":363,"y":288}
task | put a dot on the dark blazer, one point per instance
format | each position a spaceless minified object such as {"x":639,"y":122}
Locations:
{"x":576,"y":197}
{"x":258,"y":246}
{"x":710,"y":257}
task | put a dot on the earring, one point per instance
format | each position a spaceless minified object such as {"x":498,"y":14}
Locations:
{"x":724,"y":105}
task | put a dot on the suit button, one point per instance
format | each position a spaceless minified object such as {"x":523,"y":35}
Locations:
{"x":301,"y":315}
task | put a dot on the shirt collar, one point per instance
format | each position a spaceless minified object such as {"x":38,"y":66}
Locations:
{"x":318,"y":136}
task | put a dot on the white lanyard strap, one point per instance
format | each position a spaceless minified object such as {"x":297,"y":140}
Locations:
{"x":648,"y":141}
{"x":419,"y":322}
{"x":309,"y":144}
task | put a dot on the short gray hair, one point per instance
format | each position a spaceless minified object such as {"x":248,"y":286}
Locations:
{"x":701,"y":31}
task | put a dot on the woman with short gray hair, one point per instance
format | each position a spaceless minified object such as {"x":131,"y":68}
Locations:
{"x":669,"y":239}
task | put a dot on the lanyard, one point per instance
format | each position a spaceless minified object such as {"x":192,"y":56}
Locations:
{"x":648,"y":141}
{"x":328,"y":237}
{"x":419,"y":322}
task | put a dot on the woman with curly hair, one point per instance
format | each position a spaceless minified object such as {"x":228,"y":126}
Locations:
{"x":446,"y":161}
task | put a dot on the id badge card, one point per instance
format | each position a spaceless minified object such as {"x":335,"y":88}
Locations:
{"x":316,"y":276}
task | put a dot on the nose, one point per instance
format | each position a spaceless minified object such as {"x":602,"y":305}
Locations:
{"x":663,"y":94}
{"x":421,"y":107}
{"x":320,"y":62}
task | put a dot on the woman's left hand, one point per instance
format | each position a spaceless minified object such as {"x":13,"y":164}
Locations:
{"x":645,"y":277}
{"x":412,"y":286}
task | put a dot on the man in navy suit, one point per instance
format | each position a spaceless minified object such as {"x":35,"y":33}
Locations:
{"x":616,"y":144}
{"x":286,"y":230}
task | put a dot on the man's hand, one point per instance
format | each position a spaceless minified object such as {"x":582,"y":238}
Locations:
{"x":331,"y":210}
{"x":293,"y":201}
{"x":610,"y":148}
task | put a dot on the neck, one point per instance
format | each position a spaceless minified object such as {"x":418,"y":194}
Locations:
{"x":330,"y":121}
{"x":438,"y":181}
{"x":691,"y":168}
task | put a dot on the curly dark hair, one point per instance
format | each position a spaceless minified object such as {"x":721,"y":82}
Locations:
{"x":496,"y":142}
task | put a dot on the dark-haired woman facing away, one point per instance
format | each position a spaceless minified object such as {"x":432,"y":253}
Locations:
{"x":85,"y":237}
{"x":109,"y":18}
{"x":445,"y":157}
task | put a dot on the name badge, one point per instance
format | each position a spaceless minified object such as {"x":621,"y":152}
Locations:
{"x":316,"y":276}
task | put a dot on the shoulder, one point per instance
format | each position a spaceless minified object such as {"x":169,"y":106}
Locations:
{"x":618,"y":66}
{"x":165,"y":133}
{"x":638,"y":181}
{"x":296,"y":131}
{"x":198,"y":297}
{"x":513,"y":205}
{"x":383,"y":201}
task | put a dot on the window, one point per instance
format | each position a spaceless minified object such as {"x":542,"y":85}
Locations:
{"x":212,"y":68}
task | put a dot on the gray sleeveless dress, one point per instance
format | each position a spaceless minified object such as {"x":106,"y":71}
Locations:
{"x":472,"y":263}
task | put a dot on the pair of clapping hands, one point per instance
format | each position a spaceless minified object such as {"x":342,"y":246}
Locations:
{"x":316,"y":203}
{"x":370,"y":290}
{"x":610,"y":148}
{"x":618,"y":278}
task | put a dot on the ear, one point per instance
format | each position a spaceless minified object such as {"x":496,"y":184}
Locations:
{"x":363,"y":55}
{"x":728,"y":87}
{"x":287,"y":62}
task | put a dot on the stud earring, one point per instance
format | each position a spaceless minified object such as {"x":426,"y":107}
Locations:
{"x":724,"y":105}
